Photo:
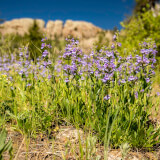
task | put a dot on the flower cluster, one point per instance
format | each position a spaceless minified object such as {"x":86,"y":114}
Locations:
{"x":108,"y":66}
{"x":24,"y":66}
{"x":71,"y":59}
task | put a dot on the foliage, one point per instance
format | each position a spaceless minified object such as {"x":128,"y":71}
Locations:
{"x":109,"y":92}
{"x":5,"y":146}
{"x":144,"y":4}
{"x":141,"y":27}
{"x":103,"y":93}
{"x":33,"y":38}
{"x":11,"y":43}
{"x":102,"y":41}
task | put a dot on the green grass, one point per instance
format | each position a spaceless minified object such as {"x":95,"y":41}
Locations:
{"x":45,"y":103}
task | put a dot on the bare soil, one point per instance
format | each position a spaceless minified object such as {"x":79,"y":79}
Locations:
{"x":65,"y":144}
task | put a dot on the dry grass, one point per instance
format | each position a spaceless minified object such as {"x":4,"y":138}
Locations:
{"x":65,"y":146}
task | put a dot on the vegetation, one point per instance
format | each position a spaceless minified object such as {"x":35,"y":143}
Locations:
{"x":142,"y":5}
{"x":5,"y":146}
{"x":33,"y":38}
{"x":108,"y":93}
{"x":102,"y":92}
{"x":146,"y":25}
{"x":102,"y":41}
{"x":11,"y":43}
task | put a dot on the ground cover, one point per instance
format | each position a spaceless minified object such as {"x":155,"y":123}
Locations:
{"x":106,"y":96}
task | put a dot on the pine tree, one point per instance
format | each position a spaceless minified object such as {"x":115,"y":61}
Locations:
{"x":34,"y":37}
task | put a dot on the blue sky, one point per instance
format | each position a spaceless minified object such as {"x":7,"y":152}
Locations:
{"x":103,"y":13}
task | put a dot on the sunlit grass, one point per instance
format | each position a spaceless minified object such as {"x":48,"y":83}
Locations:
{"x":102,"y":93}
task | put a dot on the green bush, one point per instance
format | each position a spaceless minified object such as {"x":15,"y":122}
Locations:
{"x":139,"y":28}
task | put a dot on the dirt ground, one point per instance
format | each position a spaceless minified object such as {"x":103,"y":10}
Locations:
{"x":65,"y":144}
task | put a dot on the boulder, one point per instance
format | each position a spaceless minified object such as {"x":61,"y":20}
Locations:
{"x":80,"y":29}
{"x":87,"y":44}
{"x":19,"y":26}
{"x":109,"y":36}
{"x":54,"y":28}
{"x":40,"y":23}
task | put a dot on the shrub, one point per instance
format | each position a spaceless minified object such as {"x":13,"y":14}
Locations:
{"x":139,"y":28}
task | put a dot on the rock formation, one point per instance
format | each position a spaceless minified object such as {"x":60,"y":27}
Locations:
{"x":80,"y":29}
{"x":19,"y":26}
{"x":85,"y":31}
{"x":54,"y":28}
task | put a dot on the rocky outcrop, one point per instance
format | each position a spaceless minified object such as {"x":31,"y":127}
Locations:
{"x":19,"y":26}
{"x":80,"y":29}
{"x":54,"y":28}
{"x":86,"y":44}
{"x":85,"y":31}
{"x":109,"y":35}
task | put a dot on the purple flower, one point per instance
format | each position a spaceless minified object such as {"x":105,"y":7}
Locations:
{"x":107,"y":97}
{"x":154,"y":46}
{"x":12,"y":88}
{"x":21,"y":72}
{"x":66,"y":67}
{"x":129,"y":57}
{"x":28,"y":85}
{"x":123,"y":81}
{"x":82,"y":78}
{"x":114,"y":37}
{"x":26,"y":56}
{"x":147,"y":80}
{"x":45,"y":53}
{"x":45,"y":64}
{"x":145,"y":44}
{"x":136,"y":95}
{"x":21,"y":54}
{"x":42,"y":40}
{"x":76,"y":42}
{"x":131,"y":78}
{"x":112,"y":46}
{"x":153,"y":72}
{"x":105,"y":79}
{"x":119,"y":44}
{"x":158,"y":94}
{"x":66,"y":80}
{"x":67,"y":54}
{"x":146,"y":60}
{"x":43,"y":45}
{"x":153,"y":60}
{"x":49,"y":76}
{"x":49,"y":46}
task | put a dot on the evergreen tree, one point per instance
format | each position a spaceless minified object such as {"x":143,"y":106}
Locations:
{"x":34,"y":37}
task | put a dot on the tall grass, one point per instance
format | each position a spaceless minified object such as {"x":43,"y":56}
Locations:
{"x":103,"y":93}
